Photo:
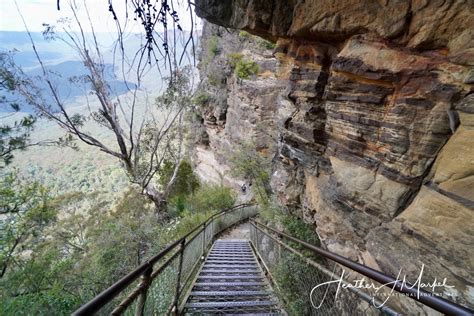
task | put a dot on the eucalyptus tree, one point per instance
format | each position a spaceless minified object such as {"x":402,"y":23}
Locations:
{"x":15,"y":127}
{"x":145,"y":136}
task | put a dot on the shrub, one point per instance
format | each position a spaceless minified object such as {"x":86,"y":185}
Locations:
{"x":214,"y":79}
{"x":245,"y":68}
{"x":264,"y":44}
{"x":211,"y":197}
{"x":298,"y":228}
{"x":261,"y":43}
{"x":234,"y":58}
{"x":186,"y":180}
{"x":201,"y":99}
{"x":213,"y":46}
{"x":244,"y":34}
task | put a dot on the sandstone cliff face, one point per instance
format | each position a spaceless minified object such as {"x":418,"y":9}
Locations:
{"x":372,"y":106}
{"x":236,"y":111}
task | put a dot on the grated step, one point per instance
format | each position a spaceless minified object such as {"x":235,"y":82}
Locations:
{"x":230,"y":258}
{"x":231,"y":271}
{"x":225,"y":267}
{"x":229,"y":283}
{"x":232,"y":262}
{"x":230,"y":304}
{"x":230,"y":293}
{"x":231,"y":255}
{"x":230,"y":277}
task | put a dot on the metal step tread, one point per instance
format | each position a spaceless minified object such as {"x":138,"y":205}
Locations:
{"x":230,"y":293}
{"x":237,"y":259}
{"x":232,"y":255}
{"x":230,"y":277}
{"x":239,"y":251}
{"x":231,"y":271}
{"x":229,"y":283}
{"x":231,"y":261}
{"x":240,"y":266}
{"x":230,"y":304}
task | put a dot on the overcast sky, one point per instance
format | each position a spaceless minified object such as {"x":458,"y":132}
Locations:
{"x":37,"y":12}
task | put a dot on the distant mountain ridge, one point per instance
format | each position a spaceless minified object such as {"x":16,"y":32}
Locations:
{"x":64,"y":69}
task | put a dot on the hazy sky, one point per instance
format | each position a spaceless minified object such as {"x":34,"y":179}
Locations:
{"x":37,"y":12}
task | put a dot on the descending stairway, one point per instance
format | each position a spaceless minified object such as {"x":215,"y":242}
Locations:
{"x":231,"y":282}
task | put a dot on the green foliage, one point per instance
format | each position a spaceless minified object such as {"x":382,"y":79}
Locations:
{"x":213,"y":46}
{"x":244,"y":34}
{"x":186,"y":180}
{"x":177,"y":90}
{"x":63,"y":262}
{"x":13,"y":135}
{"x":264,"y":44}
{"x":298,"y":228}
{"x":214,"y":79}
{"x":292,"y":281}
{"x":16,"y":127}
{"x":211,"y":197}
{"x":234,"y":58}
{"x":261,"y":43}
{"x":207,"y":198}
{"x":25,"y":213}
{"x":245,"y":68}
{"x":201,"y":99}
{"x":212,"y":49}
{"x":25,"y":276}
{"x":248,"y":164}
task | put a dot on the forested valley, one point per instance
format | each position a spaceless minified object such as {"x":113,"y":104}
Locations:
{"x":95,"y":173}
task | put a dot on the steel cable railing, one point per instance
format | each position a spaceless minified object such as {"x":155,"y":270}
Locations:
{"x":159,"y":285}
{"x":297,"y":274}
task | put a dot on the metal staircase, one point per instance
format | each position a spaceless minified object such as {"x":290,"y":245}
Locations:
{"x":231,"y":281}
{"x":175,"y":281}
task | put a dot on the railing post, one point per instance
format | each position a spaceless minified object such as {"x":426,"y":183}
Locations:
{"x":178,"y":282}
{"x":204,"y":238}
{"x":144,"y":285}
{"x":213,"y":229}
{"x":256,"y":240}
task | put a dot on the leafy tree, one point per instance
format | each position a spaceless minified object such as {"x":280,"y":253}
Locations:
{"x":24,"y":212}
{"x":247,"y":163}
{"x":15,"y":135}
{"x":31,"y":279}
{"x":210,"y":197}
{"x":142,"y":143}
{"x":67,"y":260}
{"x":186,"y":180}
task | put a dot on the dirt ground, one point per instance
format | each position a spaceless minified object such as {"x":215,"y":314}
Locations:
{"x":241,"y":231}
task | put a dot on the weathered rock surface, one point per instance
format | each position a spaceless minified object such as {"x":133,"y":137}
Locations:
{"x":423,"y":24}
{"x":372,"y":106}
{"x":238,"y":111}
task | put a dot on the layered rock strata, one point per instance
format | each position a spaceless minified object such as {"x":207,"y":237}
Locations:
{"x":372,"y":107}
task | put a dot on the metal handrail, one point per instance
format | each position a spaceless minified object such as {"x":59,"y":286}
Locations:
{"x":145,"y":271}
{"x":386,"y":310}
{"x":427,"y":298}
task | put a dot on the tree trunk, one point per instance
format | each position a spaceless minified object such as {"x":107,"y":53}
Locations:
{"x":159,"y":200}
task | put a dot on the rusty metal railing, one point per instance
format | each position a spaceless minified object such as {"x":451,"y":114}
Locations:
{"x":276,"y":237}
{"x":174,"y":266}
